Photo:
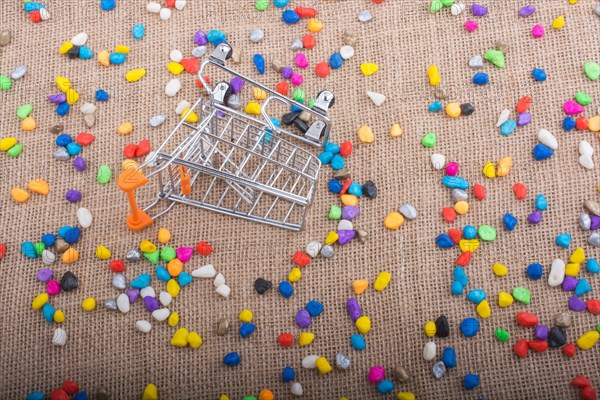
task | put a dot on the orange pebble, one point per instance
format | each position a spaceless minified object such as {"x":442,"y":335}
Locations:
{"x":360,"y":285}
{"x":175,"y":267}
{"x":265,"y":394}
{"x":283,"y":88}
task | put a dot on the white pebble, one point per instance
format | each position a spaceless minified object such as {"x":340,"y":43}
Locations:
{"x":153,"y":7}
{"x":429,"y":351}
{"x":157,"y":120}
{"x":183,"y":104}
{"x":176,"y":56}
{"x":594,"y":239}
{"x":344,"y":225}
{"x":88,"y":108}
{"x":557,"y":273}
{"x":438,"y":161}
{"x":365,"y":16}
{"x":18,"y":72}
{"x":123,"y":303}
{"x":161,"y":314}
{"x":503,"y":117}
{"x":219,"y":280}
{"x":165,"y":14}
{"x":409,"y":211}
{"x":256,"y":35}
{"x":376,"y":98}
{"x":119,"y":282}
{"x":224,"y":290}
{"x":476,"y":62}
{"x":585,"y":160}
{"x":148,"y":291}
{"x":297,"y":44}
{"x":310,"y":362}
{"x":199,"y":51}
{"x":84,"y":217}
{"x":59,"y":338}
{"x":347,"y":52}
{"x":180,"y":4}
{"x":457,"y":8}
{"x":597,"y":10}
{"x":143,"y":326}
{"x":48,"y":257}
{"x":313,"y":249}
{"x":296,"y":389}
{"x":173,"y":87}
{"x":165,"y":298}
{"x":585,"y":148}
{"x":547,"y":138}
{"x":207,"y":271}
{"x":44,"y":14}
{"x":79,"y":39}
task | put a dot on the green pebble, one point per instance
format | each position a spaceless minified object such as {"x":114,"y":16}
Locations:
{"x":335,"y":213}
{"x":249,"y":398}
{"x":429,"y":140}
{"x":15,"y":150}
{"x":591,"y":69}
{"x":299,"y":95}
{"x":502,"y":335}
{"x":496,"y":57}
{"x":104,"y":174}
{"x":24,"y":111}
{"x":5,"y":83}
{"x":262,"y":5}
{"x":448,"y":3}
{"x":521,"y":294}
{"x":153,"y":257}
{"x":487,"y":233}
{"x":39,"y":248}
{"x":598,"y":327}
{"x":583,"y":98}
{"x":311,"y":103}
{"x":436,"y":5}
{"x":167,"y":254}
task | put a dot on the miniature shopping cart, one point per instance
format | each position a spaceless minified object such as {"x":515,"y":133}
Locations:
{"x":233,"y":163}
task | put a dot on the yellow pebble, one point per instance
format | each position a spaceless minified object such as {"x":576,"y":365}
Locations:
{"x":369,"y":69}
{"x":194,"y":340}
{"x":594,"y":123}
{"x":434,"y":75}
{"x":295,"y":275}
{"x":39,"y":301}
{"x":430,"y":329}
{"x":70,"y":256}
{"x":173,"y":319}
{"x":578,"y":256}
{"x":500,"y":269}
{"x":323,"y":365}
{"x":363,"y":324}
{"x":405,"y":396}
{"x":396,"y":131}
{"x":89,"y":304}
{"x":365,"y":134}
{"x":461,"y":207}
{"x":572,"y":269}
{"x":147,"y":246}
{"x":103,"y":253}
{"x":135,"y":75}
{"x":164,"y":235}
{"x":39,"y":186}
{"x":125,"y":128}
{"x":453,"y":110}
{"x":104,"y":58}
{"x":192,"y":116}
{"x":484,"y":310}
{"x":246,"y":316}
{"x":72,"y":96}
{"x":315,"y":25}
{"x":306,"y":338}
{"x":28,"y":124}
{"x":393,"y":220}
{"x":7,"y":143}
{"x":505,"y":299}
{"x":468,"y":245}
{"x":504,"y":166}
{"x":259,"y":94}
{"x":128,"y":163}
{"x":19,"y":195}
{"x":64,"y":84}
{"x":173,"y":287}
{"x":573,"y":1}
{"x":175,"y":68}
{"x":331,"y":238}
{"x":349,"y":200}
{"x":223,"y":397}
{"x":489,"y":170}
{"x":588,"y":339}
{"x":360,"y":285}
{"x":179,"y":338}
{"x":65,"y":48}
{"x":252,"y":108}
{"x":150,"y":392}
{"x":382,"y":281}
{"x":59,"y":317}
{"x":122,"y":49}
{"x":559,"y":22}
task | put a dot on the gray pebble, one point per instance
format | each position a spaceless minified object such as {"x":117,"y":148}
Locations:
{"x":327,"y":251}
{"x":119,"y":282}
{"x":111,"y":304}
{"x":585,"y":222}
{"x":349,"y":38}
{"x":342,"y":361}
{"x":362,"y":235}
{"x":199,"y":51}
{"x":234,"y":102}
{"x":365,"y":16}
{"x":439,"y":370}
{"x":476,"y":62}
{"x":594,"y":239}
{"x":90,"y":120}
{"x":297,"y":44}
{"x":223,"y":327}
{"x":257,"y":35}
{"x":18,"y":73}
{"x":133,"y":255}
{"x":341,"y":174}
{"x":409,"y":211}
{"x":62,"y":154}
{"x":459,"y":194}
{"x":593,"y":207}
{"x":501,"y":46}
{"x":61,"y":245}
{"x":401,"y":374}
{"x":440,"y":93}
{"x":5,"y":38}
{"x":157,"y":120}
{"x":597,"y":10}
{"x":56,"y":129}
{"x":563,"y":319}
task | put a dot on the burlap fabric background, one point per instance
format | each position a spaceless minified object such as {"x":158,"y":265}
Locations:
{"x":104,"y":349}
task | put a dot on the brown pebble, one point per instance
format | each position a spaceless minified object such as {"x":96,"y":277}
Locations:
{"x":57,"y":129}
{"x":102,"y":394}
{"x":61,"y":245}
{"x":223,"y":327}
{"x":563,"y":319}
{"x":362,"y":235}
{"x":593,"y":207}
{"x":236,"y":54}
{"x":277,"y":64}
{"x":90,"y":120}
{"x":350,"y":38}
{"x":304,"y":116}
{"x":342,"y":174}
{"x":5,"y":37}
{"x":401,"y":374}
{"x":501,"y":46}
{"x":440,"y":93}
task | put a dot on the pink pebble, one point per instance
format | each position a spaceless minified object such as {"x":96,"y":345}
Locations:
{"x":301,"y":60}
{"x":184,"y":253}
{"x":376,"y":374}
{"x":471,"y":25}
{"x":571,"y":107}
{"x":452,"y":168}
{"x":53,"y":288}
{"x":537,"y":31}
{"x":297,"y":79}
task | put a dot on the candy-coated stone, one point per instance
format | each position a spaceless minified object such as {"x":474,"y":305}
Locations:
{"x":393,"y":220}
{"x":39,"y":301}
{"x":323,"y":366}
{"x":194,"y":340}
{"x":89,"y":304}
{"x":469,"y":327}
{"x":453,"y":110}
{"x":502,"y":335}
{"x":173,"y":319}
{"x":135,"y":75}
{"x":382,"y":281}
{"x":150,"y":392}
{"x":522,"y":295}
{"x":173,"y":288}
{"x":592,"y":70}
{"x":396,"y":131}
{"x":429,"y":140}
{"x":366,"y":135}
{"x":363,"y":324}
{"x":369,"y":69}
{"x":434,"y":75}
{"x":505,"y":299}
{"x":588,"y":340}
{"x":19,"y":195}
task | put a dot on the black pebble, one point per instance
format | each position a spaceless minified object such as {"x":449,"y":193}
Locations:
{"x":290,"y":117}
{"x":557,"y":337}
{"x":303,"y":126}
{"x":69,"y":282}
{"x":369,"y":189}
{"x":74,"y":52}
{"x":467,"y":109}
{"x":442,"y":328}
{"x":261,"y":285}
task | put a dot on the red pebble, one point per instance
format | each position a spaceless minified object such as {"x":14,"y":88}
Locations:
{"x":129,"y":150}
{"x":322,"y":69}
{"x":191,"y":65}
{"x":309,"y":41}
{"x":85,"y":139}
{"x":464,"y":259}
{"x":593,"y":306}
{"x":285,"y":339}
{"x":35,"y":16}
{"x":569,"y":350}
{"x":346,"y":149}
{"x":521,"y":349}
{"x":301,"y":259}
{"x":199,"y":82}
{"x":70,"y":387}
{"x":377,"y":1}
{"x":59,"y":394}
{"x":527,"y":319}
{"x":117,"y":266}
{"x":588,"y":393}
{"x":479,"y":191}
{"x":520,"y":191}
{"x":539,"y":346}
{"x":305,"y":12}
{"x":581,"y":123}
{"x":204,"y":248}
{"x":581,"y":381}
{"x":523,"y":104}
{"x":449,"y":214}
{"x":283,"y":88}
{"x":455,"y":235}
{"x":143,"y":148}
{"x":2,"y":250}
{"x":170,"y":3}
{"x":345,"y":186}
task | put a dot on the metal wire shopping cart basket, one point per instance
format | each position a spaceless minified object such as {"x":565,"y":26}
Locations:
{"x":234,"y":163}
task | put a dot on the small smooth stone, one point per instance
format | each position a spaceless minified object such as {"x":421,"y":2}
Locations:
{"x":592,"y":70}
{"x":18,"y":72}
{"x":341,"y":361}
{"x":527,"y":10}
{"x":479,"y":10}
{"x":256,"y":35}
{"x":538,"y":74}
{"x":547,"y":138}
{"x":429,"y":351}
{"x":508,"y":127}
{"x":457,"y":8}
{"x":199,"y":51}
{"x":408,"y":211}
{"x":364,"y":16}
{"x":438,"y":161}
{"x":69,"y":282}
{"x":296,"y":389}
{"x":59,"y":338}
{"x":5,"y":37}
{"x":523,"y":119}
{"x":119,"y":282}
{"x":557,"y":273}
{"x":377,"y":98}
{"x":439,"y":370}
{"x":123,"y":303}
{"x":476,"y":62}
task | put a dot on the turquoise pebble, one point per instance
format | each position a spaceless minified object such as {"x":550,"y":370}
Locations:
{"x":64,"y":230}
{"x":510,"y":221}
{"x":385,"y":387}
{"x":28,"y":249}
{"x":141,"y":281}
{"x":331,"y":147}
{"x":138,"y":31}
{"x":216,"y":36}
{"x":184,"y":279}
{"x":355,"y":189}
{"x":358,"y":342}
{"x":32,"y":6}
{"x":469,"y":232}
{"x":541,"y":203}
{"x":85,"y":53}
{"x":459,"y":275}
{"x":471,"y":381}
{"x":48,"y":312}
{"x":435,"y":106}
{"x":583,"y":286}
{"x":469,"y":327}
{"x":337,"y":162}
{"x":508,"y":127}
{"x":592,"y":266}
{"x":455,"y":182}
{"x":457,"y":288}
{"x":35,"y":396}
{"x":162,"y":273}
{"x":117,"y":58}
{"x":280,"y":3}
{"x":563,"y":240}
{"x":108,"y":5}
{"x":476,"y":296}
{"x":73,"y":149}
{"x":449,"y":357}
{"x":325,"y":157}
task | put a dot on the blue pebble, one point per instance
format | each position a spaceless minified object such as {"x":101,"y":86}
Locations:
{"x":459,"y":275}
{"x":280,"y":3}
{"x":286,"y":289}
{"x":510,"y":221}
{"x":117,"y":58}
{"x":356,"y":189}
{"x":63,"y":109}
{"x":325,"y":157}
{"x":444,"y":241}
{"x":563,"y":240}
{"x":385,"y":387}
{"x":48,"y":312}
{"x":259,"y":63}
{"x":476,"y":296}
{"x":231,"y":359}
{"x":508,"y":127}
{"x":81,"y":396}
{"x":295,"y":108}
{"x":455,"y":182}
{"x":449,"y":357}
{"x":336,"y":60}
{"x":358,"y":342}
{"x":35,"y":396}
{"x":49,"y":239}
{"x":469,"y":232}
{"x":288,"y":374}
{"x":247,"y":329}
{"x":592,"y":266}
{"x":62,"y":232}
{"x":101,"y":95}
{"x":469,"y":327}
{"x":481,"y":78}
{"x":542,"y":152}
{"x":141,"y":281}
{"x":28,"y":249}
{"x":535,"y":271}
{"x":471,"y":381}
{"x":314,"y":308}
{"x":331,"y":147}
{"x":457,"y":288}
{"x":435,"y":106}
{"x":33,"y":6}
{"x":290,"y":17}
{"x":541,"y":203}
{"x":73,"y":149}
{"x":73,"y":235}
{"x":276,"y":122}
{"x":538,"y":74}
{"x":337,"y":162}
{"x":583,"y":286}
{"x":138,"y":31}
{"x":184,"y":279}
{"x":216,"y":37}
{"x":335,"y":186}
{"x":568,"y":123}
{"x":108,"y":5}
{"x":63,"y":140}
{"x":85,"y":53}
{"x":162,"y":274}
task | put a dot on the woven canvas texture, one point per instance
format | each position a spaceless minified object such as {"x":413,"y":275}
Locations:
{"x":104,"y":350}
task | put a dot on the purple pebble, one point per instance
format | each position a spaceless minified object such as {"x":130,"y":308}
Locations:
{"x":44,"y":274}
{"x":353,"y":309}
{"x":57,"y":98}
{"x":303,"y":319}
{"x":345,"y":237}
{"x":478,"y":10}
{"x":569,"y":283}
{"x":541,"y":332}
{"x":576,"y":304}
{"x":79,"y":164}
{"x":236,"y":84}
{"x":523,"y":119}
{"x":350,"y":212}
{"x":535,"y":217}
{"x":73,"y":196}
{"x":527,"y":11}
{"x":286,"y":72}
{"x":200,"y":38}
{"x":151,"y":303}
{"x":595,"y":222}
{"x":133,"y":295}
